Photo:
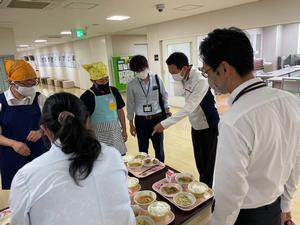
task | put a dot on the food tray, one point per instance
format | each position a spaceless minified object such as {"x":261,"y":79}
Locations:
{"x":206,"y":196}
{"x":146,"y":171}
{"x":169,"y":219}
{"x":5,"y":217}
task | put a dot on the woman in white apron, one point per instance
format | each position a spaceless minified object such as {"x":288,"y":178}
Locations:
{"x":105,"y":105}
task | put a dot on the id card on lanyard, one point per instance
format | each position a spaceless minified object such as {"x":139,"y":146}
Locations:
{"x":147,"y":107}
{"x":250,"y":88}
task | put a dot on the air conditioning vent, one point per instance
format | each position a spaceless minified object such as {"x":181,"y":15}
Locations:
{"x":30,"y":4}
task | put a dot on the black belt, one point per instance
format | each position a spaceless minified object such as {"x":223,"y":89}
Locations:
{"x":150,"y":117}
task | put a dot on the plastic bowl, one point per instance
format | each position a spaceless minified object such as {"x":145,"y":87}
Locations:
{"x":170,"y":189}
{"x":184,"y":199}
{"x":135,"y":164}
{"x":144,"y":198}
{"x":159,"y":210}
{"x":144,"y":220}
{"x":184,"y":178}
{"x":197,"y":188}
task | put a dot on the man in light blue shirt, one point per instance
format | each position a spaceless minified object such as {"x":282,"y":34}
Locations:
{"x":147,"y":100}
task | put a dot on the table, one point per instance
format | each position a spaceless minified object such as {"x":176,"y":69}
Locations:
{"x":288,"y":71}
{"x":200,"y":215}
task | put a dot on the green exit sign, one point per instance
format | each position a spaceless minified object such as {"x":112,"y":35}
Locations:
{"x":80,"y":33}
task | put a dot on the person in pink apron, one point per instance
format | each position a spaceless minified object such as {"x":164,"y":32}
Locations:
{"x":105,"y":105}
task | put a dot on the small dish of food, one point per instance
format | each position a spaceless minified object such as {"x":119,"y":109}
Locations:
{"x":197,"y":188}
{"x":127,"y":158}
{"x":144,"y":220}
{"x":149,"y":162}
{"x":184,"y":199}
{"x":159,"y":210}
{"x":170,"y":189}
{"x":132,"y":183}
{"x":144,"y":198}
{"x":184,"y":178}
{"x":135,"y":164}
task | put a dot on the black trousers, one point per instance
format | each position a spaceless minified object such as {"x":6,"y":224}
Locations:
{"x":265,"y":215}
{"x":144,"y":128}
{"x":205,"y":145}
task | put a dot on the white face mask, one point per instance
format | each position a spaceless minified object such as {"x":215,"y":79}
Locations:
{"x":143,"y":75}
{"x":177,"y":76}
{"x":25,"y":91}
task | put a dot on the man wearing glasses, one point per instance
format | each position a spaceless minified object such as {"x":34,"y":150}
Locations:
{"x":200,"y":108}
{"x":258,"y":157}
{"x":20,"y":112}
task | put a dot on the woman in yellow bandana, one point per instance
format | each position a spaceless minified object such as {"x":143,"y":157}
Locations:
{"x":105,"y":105}
{"x":20,"y":113}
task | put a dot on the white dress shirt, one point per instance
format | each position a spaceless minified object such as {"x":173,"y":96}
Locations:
{"x":136,"y":96}
{"x":258,"y":154}
{"x":43,"y":192}
{"x":195,"y":88}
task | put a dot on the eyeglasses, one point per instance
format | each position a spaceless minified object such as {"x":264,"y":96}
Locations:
{"x":204,"y":73}
{"x":28,"y":83}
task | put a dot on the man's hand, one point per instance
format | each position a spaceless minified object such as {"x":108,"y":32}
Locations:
{"x":158,"y":129}
{"x":286,"y":219}
{"x":124,"y":135}
{"x":132,"y":130}
{"x":35,"y":135}
{"x":21,"y":148}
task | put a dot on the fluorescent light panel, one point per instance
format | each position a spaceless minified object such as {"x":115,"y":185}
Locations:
{"x":23,"y":46}
{"x":118,"y":18}
{"x":66,"y":32}
{"x":40,"y":41}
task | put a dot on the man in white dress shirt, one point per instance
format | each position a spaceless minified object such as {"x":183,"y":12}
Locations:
{"x":258,"y":155}
{"x":200,"y":108}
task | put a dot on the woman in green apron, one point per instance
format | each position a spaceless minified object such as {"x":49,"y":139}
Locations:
{"x":105,"y":105}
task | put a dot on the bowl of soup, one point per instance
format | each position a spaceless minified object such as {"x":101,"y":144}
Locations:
{"x":159,"y":210}
{"x":197,"y":188}
{"x":141,"y":155}
{"x":144,"y":198}
{"x":184,"y":178}
{"x":135,"y":164}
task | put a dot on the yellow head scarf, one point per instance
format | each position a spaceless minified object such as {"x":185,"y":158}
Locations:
{"x":97,"y":70}
{"x":19,"y":70}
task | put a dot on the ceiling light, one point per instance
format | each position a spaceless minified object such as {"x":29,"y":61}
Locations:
{"x":118,"y":18}
{"x":66,"y":32}
{"x":23,"y":46}
{"x":40,"y":41}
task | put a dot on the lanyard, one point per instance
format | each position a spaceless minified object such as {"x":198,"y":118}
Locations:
{"x":251,"y":87}
{"x":146,"y":95}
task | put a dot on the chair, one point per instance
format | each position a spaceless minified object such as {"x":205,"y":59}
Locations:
{"x":293,"y":81}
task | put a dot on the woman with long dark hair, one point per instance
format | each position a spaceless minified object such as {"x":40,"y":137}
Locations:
{"x":79,"y":181}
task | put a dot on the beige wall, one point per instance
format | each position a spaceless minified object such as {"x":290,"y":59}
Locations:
{"x":86,"y":51}
{"x":257,"y":14}
{"x":123,"y":45}
{"x":7,"y":41}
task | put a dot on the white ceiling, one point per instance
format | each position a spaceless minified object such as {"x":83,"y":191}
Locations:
{"x":31,"y":24}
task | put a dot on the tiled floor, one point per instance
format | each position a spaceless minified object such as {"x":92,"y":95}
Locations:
{"x":178,"y":145}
